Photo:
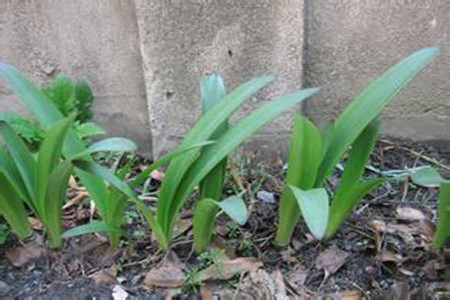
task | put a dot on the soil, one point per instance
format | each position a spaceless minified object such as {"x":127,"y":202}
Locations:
{"x":377,"y":253}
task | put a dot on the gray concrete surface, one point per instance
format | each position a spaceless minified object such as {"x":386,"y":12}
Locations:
{"x":95,"y":40}
{"x":184,"y":39}
{"x":144,"y":58}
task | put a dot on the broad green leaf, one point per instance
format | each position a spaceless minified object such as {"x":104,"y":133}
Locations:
{"x":367,"y":105}
{"x":235,"y":208}
{"x":212,"y":91}
{"x":426,"y":176}
{"x":201,"y":131}
{"x":237,"y":134}
{"x":314,"y":205}
{"x":443,"y":225}
{"x":344,"y":203}
{"x":22,"y":157}
{"x":111,"y":144}
{"x":49,"y":157}
{"x":91,"y":227}
{"x":126,"y":190}
{"x":358,"y":157}
{"x":12,"y":209}
{"x":54,"y":199}
{"x":303,"y":163}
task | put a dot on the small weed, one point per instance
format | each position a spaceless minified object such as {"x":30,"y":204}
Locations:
{"x":233,"y":229}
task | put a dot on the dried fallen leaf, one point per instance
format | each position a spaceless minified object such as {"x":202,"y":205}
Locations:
{"x":401,"y":290}
{"x":22,"y":255}
{"x":280,"y":287}
{"x":298,"y":276}
{"x":107,"y":275}
{"x":289,"y":255}
{"x":389,"y":256}
{"x":331,"y":260}
{"x":181,"y":227}
{"x":227,"y":269}
{"x":119,"y":293}
{"x":409,"y":213}
{"x":168,"y":277}
{"x":205,"y":292}
{"x":76,"y":200}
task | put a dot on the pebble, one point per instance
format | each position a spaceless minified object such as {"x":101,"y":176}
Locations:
{"x":266,"y":197}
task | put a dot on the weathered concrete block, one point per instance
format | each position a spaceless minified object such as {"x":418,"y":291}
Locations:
{"x":351,"y":42}
{"x":181,"y":40}
{"x":95,"y":40}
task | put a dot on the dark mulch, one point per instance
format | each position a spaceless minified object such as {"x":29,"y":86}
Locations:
{"x":379,"y":263}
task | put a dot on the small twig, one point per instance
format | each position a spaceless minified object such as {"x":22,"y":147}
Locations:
{"x":239,"y":286}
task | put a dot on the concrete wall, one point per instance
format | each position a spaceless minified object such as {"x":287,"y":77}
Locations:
{"x":144,"y":57}
{"x":351,"y":42}
{"x":95,"y":40}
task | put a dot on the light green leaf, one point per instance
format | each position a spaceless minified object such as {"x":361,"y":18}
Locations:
{"x":369,"y":104}
{"x":92,"y":227}
{"x":345,"y":202}
{"x":201,"y":131}
{"x":88,"y":129}
{"x":111,"y":144}
{"x":9,"y":170}
{"x":358,"y":157}
{"x":126,"y":190}
{"x":426,"y":176}
{"x":237,"y":134}
{"x":305,"y":151}
{"x":314,"y":205}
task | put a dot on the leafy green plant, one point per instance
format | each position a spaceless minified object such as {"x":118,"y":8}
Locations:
{"x":40,"y":181}
{"x":27,"y":129}
{"x":313,"y":154}
{"x":428,"y":176}
{"x":206,"y":165}
{"x":92,"y":176}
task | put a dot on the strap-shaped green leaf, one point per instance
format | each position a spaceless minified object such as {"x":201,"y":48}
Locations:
{"x":358,"y":157}
{"x":314,"y":205}
{"x":91,"y":227}
{"x":201,"y":131}
{"x":54,"y":199}
{"x":115,"y":144}
{"x":212,"y":90}
{"x":9,"y":170}
{"x":21,"y":156}
{"x":344,"y":203}
{"x":229,"y":141}
{"x":367,"y":105}
{"x":126,"y":190}
{"x":305,"y":153}
{"x":443,"y":225}
{"x":12,"y":209}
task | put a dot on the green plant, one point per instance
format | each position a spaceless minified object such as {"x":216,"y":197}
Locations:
{"x":41,"y":181}
{"x":314,"y":154}
{"x":206,"y":164}
{"x":27,"y":129}
{"x":428,"y":176}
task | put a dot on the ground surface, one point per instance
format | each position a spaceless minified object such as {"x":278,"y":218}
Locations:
{"x":382,"y":251}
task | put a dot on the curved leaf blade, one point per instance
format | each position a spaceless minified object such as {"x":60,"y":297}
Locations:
{"x":314,"y":205}
{"x":115,"y":144}
{"x":91,"y":227}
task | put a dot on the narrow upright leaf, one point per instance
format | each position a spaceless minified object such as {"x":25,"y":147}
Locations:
{"x":443,"y":226}
{"x":369,"y":104}
{"x":21,"y":156}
